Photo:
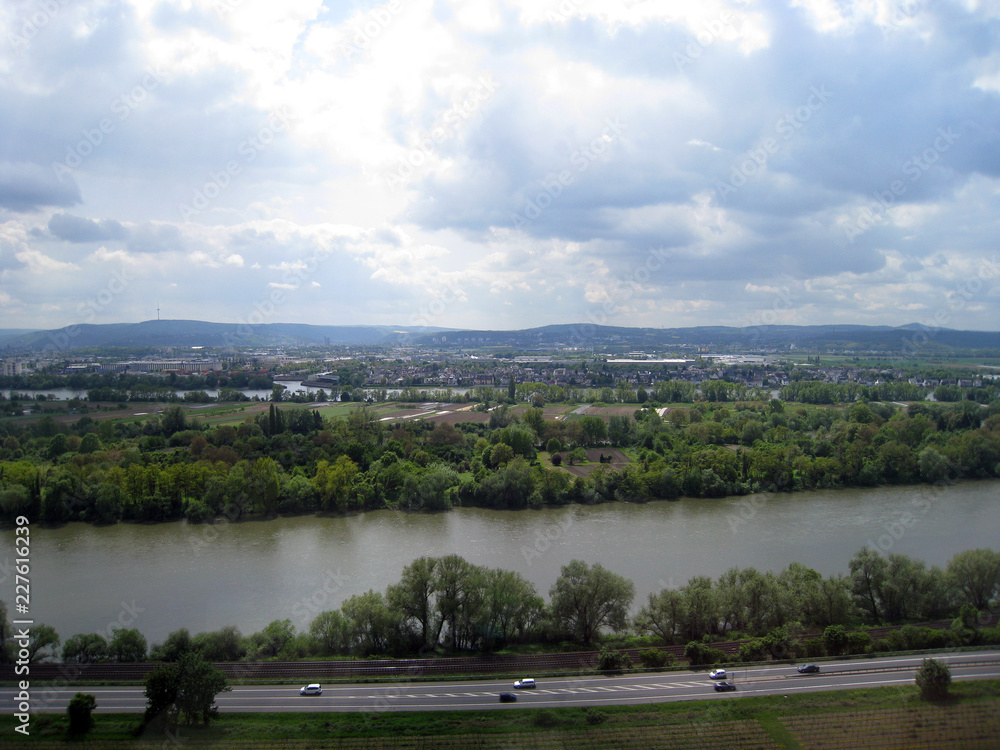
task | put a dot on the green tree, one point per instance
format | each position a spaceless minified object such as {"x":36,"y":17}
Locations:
{"x":85,"y":648}
{"x":174,"y":419}
{"x":40,"y":638}
{"x":663,"y":616}
{"x":329,"y":633}
{"x":5,"y":634}
{"x":224,"y":644}
{"x":197,"y":686}
{"x":79,"y":710}
{"x":585,"y":599}
{"x":174,"y":647}
{"x":974,"y":575}
{"x":127,"y":646}
{"x":334,"y":483}
{"x":270,"y":642}
{"x":835,"y":639}
{"x":372,"y":626}
{"x":185,"y":690}
{"x":867,"y":570}
{"x":90,"y":443}
{"x":701,"y":607}
{"x":413,"y":599}
{"x":933,"y":679}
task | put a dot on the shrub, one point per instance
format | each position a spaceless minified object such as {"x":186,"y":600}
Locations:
{"x":933,"y":679}
{"x":613,"y":660}
{"x":858,"y":642}
{"x":79,"y":710}
{"x":701,"y":654}
{"x":653,"y":658}
{"x":811,"y":648}
{"x":594,"y":716}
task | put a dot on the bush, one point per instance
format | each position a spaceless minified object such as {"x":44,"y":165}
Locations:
{"x":811,"y":648}
{"x":653,"y":658}
{"x":198,"y":512}
{"x":881,"y":646}
{"x":753,"y":650}
{"x":613,"y":660}
{"x":701,"y":654}
{"x":594,"y":716}
{"x":933,"y":679}
{"x":79,"y":710}
{"x":858,"y":642}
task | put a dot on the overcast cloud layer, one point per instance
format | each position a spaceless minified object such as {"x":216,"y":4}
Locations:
{"x":500,"y":163}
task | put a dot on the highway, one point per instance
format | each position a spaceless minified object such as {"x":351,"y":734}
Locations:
{"x":591,"y":690}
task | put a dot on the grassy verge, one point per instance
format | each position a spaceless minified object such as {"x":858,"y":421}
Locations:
{"x":764,"y":721}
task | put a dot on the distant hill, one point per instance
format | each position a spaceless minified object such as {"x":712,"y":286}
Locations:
{"x":846,"y":338}
{"x":194,"y":333}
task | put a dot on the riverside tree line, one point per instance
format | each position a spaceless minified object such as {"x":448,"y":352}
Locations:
{"x":449,"y":605}
{"x":290,"y":460}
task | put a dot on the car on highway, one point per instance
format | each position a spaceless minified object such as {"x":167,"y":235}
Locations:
{"x":724,"y":686}
{"x":717,"y":674}
{"x":508,"y":698}
{"x":527,"y":682}
{"x":807,"y":668}
{"x":311,"y":689}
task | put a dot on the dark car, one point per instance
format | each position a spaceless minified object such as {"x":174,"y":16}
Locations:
{"x":508,"y":698}
{"x":724,"y":686}
{"x":806,"y":668}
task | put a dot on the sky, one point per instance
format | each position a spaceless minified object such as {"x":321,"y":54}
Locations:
{"x":500,"y":164}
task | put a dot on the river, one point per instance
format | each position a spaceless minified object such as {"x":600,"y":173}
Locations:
{"x":161,"y":577}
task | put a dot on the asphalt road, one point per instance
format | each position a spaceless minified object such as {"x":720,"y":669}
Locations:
{"x":551,"y":692}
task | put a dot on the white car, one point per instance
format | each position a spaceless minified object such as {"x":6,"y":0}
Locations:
{"x":527,"y":682}
{"x":717,"y":674}
{"x":312,"y":689}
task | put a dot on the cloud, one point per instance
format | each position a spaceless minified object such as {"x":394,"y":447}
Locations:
{"x":76,"y":229}
{"x":26,"y":187}
{"x":460,"y":162}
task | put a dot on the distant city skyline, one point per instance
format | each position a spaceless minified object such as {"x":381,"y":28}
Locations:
{"x":500,"y":164}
